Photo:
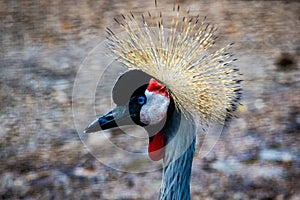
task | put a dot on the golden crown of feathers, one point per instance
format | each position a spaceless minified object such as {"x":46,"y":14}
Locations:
{"x":175,"y":53}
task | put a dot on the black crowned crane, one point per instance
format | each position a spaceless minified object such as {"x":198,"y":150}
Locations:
{"x":172,"y":85}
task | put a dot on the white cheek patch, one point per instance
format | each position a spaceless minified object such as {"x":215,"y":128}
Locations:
{"x":155,"y":109}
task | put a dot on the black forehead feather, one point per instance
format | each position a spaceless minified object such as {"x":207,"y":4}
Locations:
{"x":127,"y":84}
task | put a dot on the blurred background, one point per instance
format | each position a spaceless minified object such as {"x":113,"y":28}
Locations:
{"x":43,"y":43}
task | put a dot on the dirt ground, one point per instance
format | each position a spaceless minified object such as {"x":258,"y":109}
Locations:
{"x":44,"y":43}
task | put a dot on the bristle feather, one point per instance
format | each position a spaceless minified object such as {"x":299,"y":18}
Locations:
{"x":116,"y":21}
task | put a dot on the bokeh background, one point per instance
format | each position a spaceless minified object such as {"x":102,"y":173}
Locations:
{"x":43,"y":43}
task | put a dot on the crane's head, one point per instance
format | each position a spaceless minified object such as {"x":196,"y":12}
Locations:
{"x":140,"y":100}
{"x":203,"y":85}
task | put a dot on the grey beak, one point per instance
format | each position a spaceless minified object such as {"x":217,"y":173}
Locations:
{"x":118,"y":116}
{"x":93,"y":127}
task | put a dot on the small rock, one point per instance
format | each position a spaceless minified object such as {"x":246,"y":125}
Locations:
{"x":286,"y":62}
{"x":59,"y":178}
{"x":259,"y":104}
{"x":61,"y":97}
{"x":275,"y":155}
{"x":85,"y":172}
{"x":226,"y":166}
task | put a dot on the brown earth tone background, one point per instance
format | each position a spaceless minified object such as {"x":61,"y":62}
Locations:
{"x":43,"y":43}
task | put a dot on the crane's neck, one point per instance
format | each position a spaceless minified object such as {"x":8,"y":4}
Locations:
{"x":179,"y":152}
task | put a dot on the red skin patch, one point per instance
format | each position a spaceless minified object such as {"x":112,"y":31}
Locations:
{"x":156,"y":87}
{"x":156,"y":147}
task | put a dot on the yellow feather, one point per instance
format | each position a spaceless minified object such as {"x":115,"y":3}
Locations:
{"x":206,"y":85}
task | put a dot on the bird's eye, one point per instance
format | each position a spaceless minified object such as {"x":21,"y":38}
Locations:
{"x":141,"y":100}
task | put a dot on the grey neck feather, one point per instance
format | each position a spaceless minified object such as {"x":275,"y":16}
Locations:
{"x":178,"y":158}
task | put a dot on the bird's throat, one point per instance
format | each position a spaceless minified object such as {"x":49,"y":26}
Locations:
{"x":156,"y":147}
